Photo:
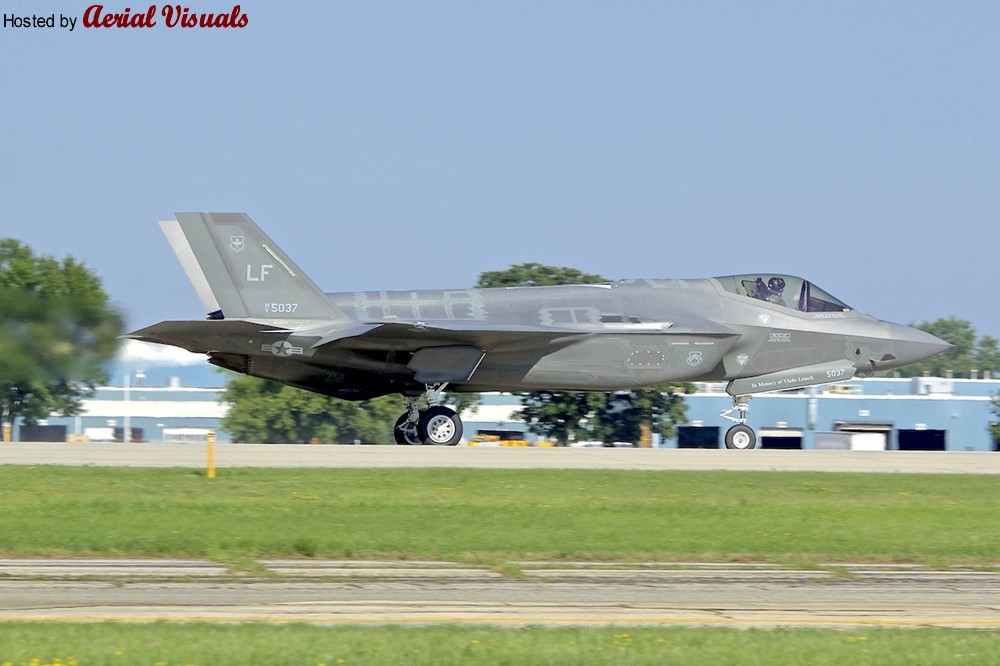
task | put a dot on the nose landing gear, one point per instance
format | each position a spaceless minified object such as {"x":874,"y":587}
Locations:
{"x":437,"y":425}
{"x":740,"y":436}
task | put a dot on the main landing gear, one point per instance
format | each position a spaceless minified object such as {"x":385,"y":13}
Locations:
{"x":740,"y":436}
{"x":437,"y":425}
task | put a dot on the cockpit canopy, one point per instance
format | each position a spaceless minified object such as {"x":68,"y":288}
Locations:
{"x":785,"y":290}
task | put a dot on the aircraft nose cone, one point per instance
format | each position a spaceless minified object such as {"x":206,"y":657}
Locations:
{"x":911,"y":345}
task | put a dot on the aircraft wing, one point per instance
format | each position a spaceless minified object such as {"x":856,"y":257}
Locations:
{"x":202,"y":337}
{"x":439,"y":353}
{"x":206,"y":336}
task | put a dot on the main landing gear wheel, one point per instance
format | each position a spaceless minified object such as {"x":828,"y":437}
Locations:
{"x":439,"y":426}
{"x":741,"y":436}
{"x":405,"y":432}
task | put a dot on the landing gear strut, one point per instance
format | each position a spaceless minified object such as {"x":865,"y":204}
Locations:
{"x":740,"y":436}
{"x":405,"y":431}
{"x":437,"y":425}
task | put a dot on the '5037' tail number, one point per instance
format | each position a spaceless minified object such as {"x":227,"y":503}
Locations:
{"x":281,"y":308}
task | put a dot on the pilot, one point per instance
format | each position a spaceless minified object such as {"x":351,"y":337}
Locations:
{"x":775,"y":286}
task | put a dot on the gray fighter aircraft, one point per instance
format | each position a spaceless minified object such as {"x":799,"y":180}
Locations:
{"x":760,"y":332}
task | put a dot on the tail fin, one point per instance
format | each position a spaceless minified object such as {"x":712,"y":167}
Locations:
{"x":238,"y":272}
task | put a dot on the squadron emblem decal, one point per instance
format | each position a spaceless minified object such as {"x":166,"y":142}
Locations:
{"x":237,"y":243}
{"x":695,"y":358}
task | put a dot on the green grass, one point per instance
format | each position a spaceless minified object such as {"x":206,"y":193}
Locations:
{"x":501,"y":515}
{"x":203,"y":644}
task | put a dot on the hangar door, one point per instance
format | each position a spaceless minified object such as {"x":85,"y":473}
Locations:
{"x":698,"y":437}
{"x":780,"y":438}
{"x":869,"y":435}
{"x":921,"y":440}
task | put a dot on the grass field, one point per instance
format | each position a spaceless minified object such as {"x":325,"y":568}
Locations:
{"x":494,"y":516}
{"x":490,"y":515}
{"x":40,"y":644}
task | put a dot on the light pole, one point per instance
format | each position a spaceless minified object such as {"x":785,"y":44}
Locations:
{"x":127,"y":433}
{"x":127,"y":430}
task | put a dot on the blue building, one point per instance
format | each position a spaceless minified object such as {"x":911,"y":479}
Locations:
{"x":172,"y":413}
{"x":923,"y":413}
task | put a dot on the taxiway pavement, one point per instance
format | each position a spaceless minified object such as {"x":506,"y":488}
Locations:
{"x":299,"y":455}
{"x":336,"y":592}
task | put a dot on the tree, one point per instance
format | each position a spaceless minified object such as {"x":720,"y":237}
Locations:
{"x":559,"y":416}
{"x":662,"y":408}
{"x":966,"y":355}
{"x":988,"y":355}
{"x":58,"y":332}
{"x":552,"y":415}
{"x":271,"y":413}
{"x":607,"y":416}
{"x":537,"y":275}
{"x":995,"y":427}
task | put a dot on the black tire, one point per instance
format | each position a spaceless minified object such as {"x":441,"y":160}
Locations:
{"x":741,"y":437}
{"x":440,"y":426}
{"x":402,"y":437}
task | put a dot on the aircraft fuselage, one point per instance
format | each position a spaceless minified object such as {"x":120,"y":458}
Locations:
{"x":603,"y":337}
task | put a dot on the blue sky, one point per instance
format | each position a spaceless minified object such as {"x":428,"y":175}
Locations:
{"x":396,"y":145}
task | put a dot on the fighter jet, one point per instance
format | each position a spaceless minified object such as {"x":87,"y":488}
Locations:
{"x":759,"y":332}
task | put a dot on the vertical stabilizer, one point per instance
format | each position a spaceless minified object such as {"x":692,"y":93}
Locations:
{"x":238,"y":272}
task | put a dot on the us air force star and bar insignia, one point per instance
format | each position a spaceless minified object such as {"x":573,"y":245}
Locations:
{"x":283,"y":348}
{"x":695,"y":358}
{"x":237,"y":243}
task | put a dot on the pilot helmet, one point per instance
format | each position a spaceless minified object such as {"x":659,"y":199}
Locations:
{"x":776,"y":284}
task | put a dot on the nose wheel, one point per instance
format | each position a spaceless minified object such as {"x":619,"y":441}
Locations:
{"x":740,"y":436}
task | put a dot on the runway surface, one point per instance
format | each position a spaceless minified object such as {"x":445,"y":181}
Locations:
{"x":296,"y":455}
{"x":412,"y":593}
{"x":329,"y":592}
